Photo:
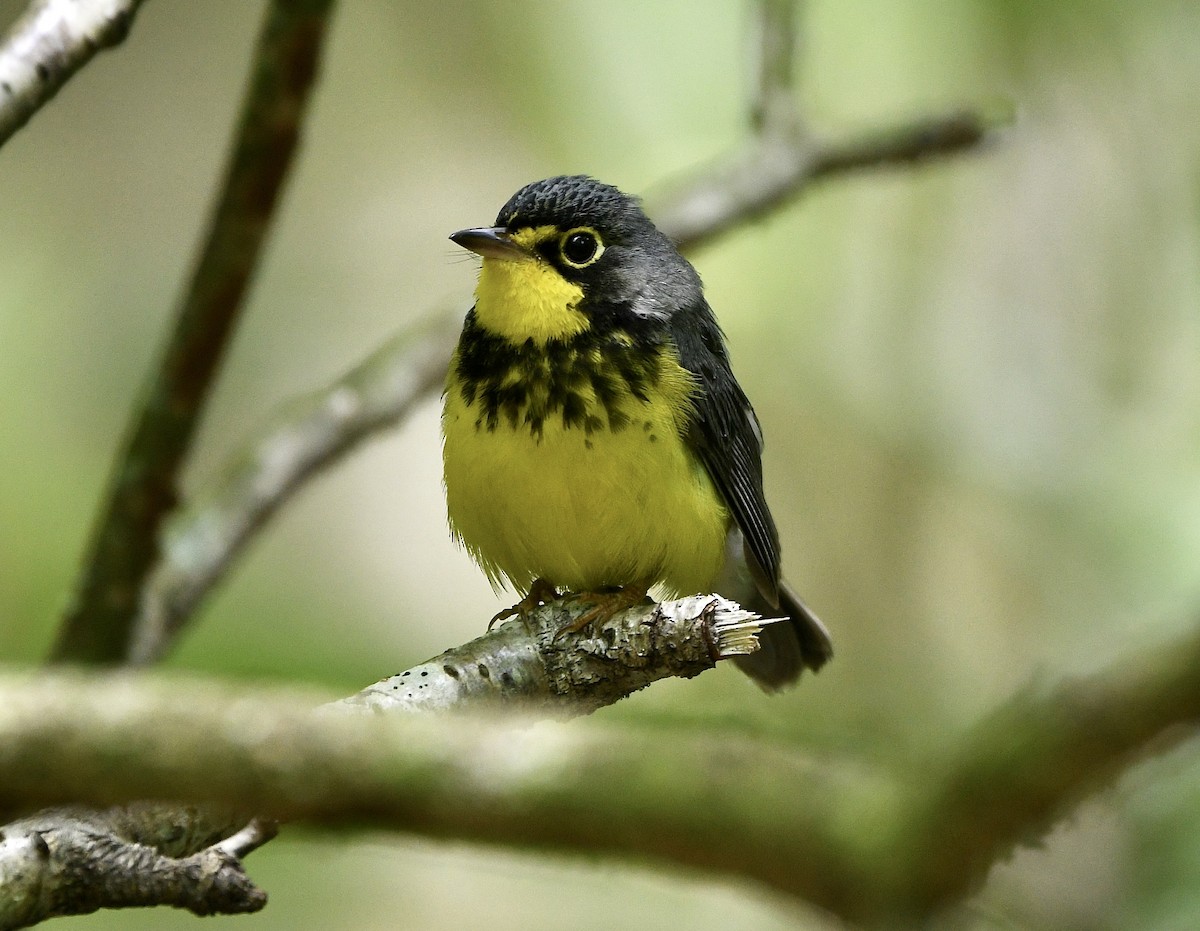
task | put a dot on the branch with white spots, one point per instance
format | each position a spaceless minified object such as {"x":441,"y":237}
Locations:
{"x":74,"y":860}
{"x":532,"y":663}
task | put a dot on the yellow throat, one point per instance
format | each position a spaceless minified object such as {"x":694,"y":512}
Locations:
{"x":528,"y":299}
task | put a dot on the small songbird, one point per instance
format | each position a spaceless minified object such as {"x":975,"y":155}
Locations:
{"x":596,"y":440}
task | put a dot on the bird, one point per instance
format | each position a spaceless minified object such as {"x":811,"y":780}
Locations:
{"x":595,"y":440}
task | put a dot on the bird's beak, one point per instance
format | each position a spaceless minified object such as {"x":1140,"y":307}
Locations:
{"x":492,"y":242}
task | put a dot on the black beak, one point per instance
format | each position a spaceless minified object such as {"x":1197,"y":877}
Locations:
{"x":492,"y":242}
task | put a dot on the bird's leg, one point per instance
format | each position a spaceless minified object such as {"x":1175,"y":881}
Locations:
{"x":605,"y":605}
{"x":541,"y":592}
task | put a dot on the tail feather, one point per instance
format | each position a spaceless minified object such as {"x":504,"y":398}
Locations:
{"x":786,"y":648}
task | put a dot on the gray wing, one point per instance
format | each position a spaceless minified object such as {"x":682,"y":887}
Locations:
{"x":726,"y":436}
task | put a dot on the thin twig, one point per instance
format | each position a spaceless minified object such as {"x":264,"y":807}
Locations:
{"x":98,"y":625}
{"x":773,"y":105}
{"x":47,"y":45}
{"x":774,"y":169}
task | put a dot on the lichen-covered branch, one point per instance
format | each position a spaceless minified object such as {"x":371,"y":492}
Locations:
{"x":69,"y":861}
{"x":879,"y":848}
{"x":97,"y":627}
{"x":532,"y":663}
{"x":306,"y":436}
{"x":47,"y":45}
{"x":73,"y":861}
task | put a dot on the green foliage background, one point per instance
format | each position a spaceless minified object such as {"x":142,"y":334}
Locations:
{"x":979,"y":383}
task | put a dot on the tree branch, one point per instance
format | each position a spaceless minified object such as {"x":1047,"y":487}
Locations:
{"x":71,"y":861}
{"x":775,"y":168}
{"x":308,"y":435}
{"x":874,"y":848}
{"x":533,"y":664}
{"x":97,"y":627}
{"x":1024,"y":767}
{"x":783,"y":157}
{"x":47,"y":45}
{"x":75,"y":861}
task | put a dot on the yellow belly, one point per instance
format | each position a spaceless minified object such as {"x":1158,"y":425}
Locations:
{"x":584,"y":511}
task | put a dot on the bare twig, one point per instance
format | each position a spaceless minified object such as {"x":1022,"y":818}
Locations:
{"x":775,"y":36}
{"x":308,"y":435}
{"x":249,"y":838}
{"x":98,"y":625}
{"x":775,"y":168}
{"x":47,"y":45}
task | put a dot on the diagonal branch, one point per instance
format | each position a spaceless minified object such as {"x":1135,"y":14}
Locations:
{"x":98,"y":624}
{"x":310,"y":434}
{"x":1023,"y":768}
{"x":775,"y":168}
{"x":47,"y":45}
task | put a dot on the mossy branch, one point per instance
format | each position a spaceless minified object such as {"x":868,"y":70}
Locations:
{"x":75,"y":860}
{"x":882,"y":849}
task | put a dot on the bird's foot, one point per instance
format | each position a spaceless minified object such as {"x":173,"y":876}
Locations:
{"x":605,"y":605}
{"x":541,"y":593}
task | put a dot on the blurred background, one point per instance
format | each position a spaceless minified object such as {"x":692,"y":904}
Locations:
{"x":978,"y":380}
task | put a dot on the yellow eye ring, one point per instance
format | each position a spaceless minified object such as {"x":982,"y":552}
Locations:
{"x":580,"y":247}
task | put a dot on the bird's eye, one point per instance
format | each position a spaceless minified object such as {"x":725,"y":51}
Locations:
{"x":580,"y":248}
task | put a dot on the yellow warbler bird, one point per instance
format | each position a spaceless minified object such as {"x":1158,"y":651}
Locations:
{"x":596,"y":440}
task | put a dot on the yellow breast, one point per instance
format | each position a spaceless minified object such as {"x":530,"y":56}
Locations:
{"x":577,"y":479}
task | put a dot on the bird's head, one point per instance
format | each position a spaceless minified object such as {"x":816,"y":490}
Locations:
{"x":564,"y":251}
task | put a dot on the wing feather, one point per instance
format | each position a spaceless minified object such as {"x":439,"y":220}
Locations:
{"x":726,"y":436}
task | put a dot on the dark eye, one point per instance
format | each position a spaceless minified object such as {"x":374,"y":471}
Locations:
{"x":580,"y":248}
